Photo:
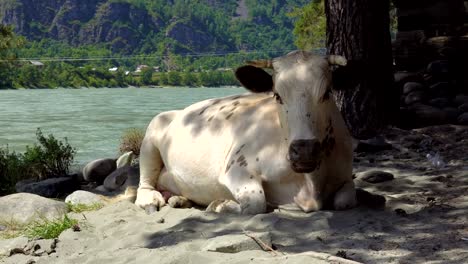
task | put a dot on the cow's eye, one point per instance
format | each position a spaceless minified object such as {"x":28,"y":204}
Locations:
{"x":278,"y":98}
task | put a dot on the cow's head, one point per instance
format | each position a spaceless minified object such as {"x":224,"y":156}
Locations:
{"x":301,"y":85}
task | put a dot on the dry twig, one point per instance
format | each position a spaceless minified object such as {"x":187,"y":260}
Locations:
{"x":262,"y":244}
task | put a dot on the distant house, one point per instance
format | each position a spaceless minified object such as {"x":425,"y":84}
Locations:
{"x":140,"y":68}
{"x":113,"y":69}
{"x":36,"y":63}
{"x":127,"y":72}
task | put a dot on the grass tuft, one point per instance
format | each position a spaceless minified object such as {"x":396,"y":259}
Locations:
{"x":47,"y":229}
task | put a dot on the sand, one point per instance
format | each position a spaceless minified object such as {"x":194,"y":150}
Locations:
{"x":423,"y":221}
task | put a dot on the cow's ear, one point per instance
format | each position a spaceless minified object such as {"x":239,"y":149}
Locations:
{"x":254,"y":79}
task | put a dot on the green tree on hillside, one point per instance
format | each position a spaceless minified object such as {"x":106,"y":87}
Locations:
{"x":310,"y":27}
{"x":9,"y":42}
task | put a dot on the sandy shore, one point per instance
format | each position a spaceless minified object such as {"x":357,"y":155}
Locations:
{"x":425,"y":219}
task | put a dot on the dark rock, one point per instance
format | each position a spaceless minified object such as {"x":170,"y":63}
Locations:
{"x":463,"y":119}
{"x":463,"y":107}
{"x":122,"y":177}
{"x":441,"y":89}
{"x":415,"y":97}
{"x":376,"y":176}
{"x":438,"y":67}
{"x":412,"y":86}
{"x":451,"y":114}
{"x":98,"y":170}
{"x":460,"y":99}
{"x":401,"y":78}
{"x":375,"y":144}
{"x":425,"y":115}
{"x":439,"y":102}
{"x":50,"y":188}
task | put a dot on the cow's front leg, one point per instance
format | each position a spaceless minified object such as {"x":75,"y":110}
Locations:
{"x":151,"y":165}
{"x":345,"y":197}
{"x":246,"y":189}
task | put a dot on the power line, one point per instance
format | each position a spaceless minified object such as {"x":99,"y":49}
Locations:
{"x":133,"y":57}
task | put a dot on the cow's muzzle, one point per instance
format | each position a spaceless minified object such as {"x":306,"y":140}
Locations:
{"x":304,"y":155}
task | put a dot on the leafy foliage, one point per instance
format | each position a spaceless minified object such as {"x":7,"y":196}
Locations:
{"x":11,"y":170}
{"x":310,"y":28}
{"x":49,"y":158}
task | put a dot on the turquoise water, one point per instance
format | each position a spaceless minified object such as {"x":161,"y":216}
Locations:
{"x":93,"y":120}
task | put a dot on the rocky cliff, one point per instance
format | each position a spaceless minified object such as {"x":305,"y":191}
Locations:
{"x":128,"y":25}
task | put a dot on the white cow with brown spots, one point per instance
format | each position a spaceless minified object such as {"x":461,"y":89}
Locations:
{"x":285,"y":143}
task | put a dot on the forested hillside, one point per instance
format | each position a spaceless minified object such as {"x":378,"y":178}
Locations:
{"x":168,"y":34}
{"x":148,"y":26}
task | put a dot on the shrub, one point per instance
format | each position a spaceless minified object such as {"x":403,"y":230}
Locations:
{"x":131,"y":141}
{"x":11,"y":170}
{"x":50,"y":158}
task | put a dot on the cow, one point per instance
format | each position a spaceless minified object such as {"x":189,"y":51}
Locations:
{"x":285,"y":143}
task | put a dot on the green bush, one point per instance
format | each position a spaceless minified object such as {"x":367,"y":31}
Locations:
{"x":131,"y":141}
{"x":46,"y":159}
{"x":11,"y":170}
{"x":50,"y":158}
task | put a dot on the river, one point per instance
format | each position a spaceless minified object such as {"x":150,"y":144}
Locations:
{"x":93,"y":120}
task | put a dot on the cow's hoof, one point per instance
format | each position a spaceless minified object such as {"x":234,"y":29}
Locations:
{"x":179,"y":202}
{"x":146,"y":198}
{"x":224,"y":206}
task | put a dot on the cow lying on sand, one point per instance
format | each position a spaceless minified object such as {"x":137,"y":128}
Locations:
{"x":285,"y":143}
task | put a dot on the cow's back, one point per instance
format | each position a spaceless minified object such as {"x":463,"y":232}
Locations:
{"x":199,"y":142}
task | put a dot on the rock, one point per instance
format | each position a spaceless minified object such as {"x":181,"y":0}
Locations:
{"x":25,"y":207}
{"x":415,"y":97}
{"x":122,"y":177}
{"x":463,"y":107}
{"x":376,"y":176}
{"x":426,"y":115}
{"x":373,"y":145}
{"x":439,"y":102}
{"x":117,"y":178}
{"x":102,"y":189}
{"x":9,"y":246}
{"x":50,"y":188}
{"x":438,"y":67}
{"x":83,"y":197}
{"x":460,"y":99}
{"x":125,"y":160}
{"x":441,"y":89}
{"x":463,"y":119}
{"x":451,"y":113}
{"x":402,"y":78}
{"x":236,"y":243}
{"x":412,"y":86}
{"x":97,"y":171}
{"x":40,"y":247}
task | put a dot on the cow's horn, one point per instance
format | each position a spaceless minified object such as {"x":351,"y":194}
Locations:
{"x":337,"y":60}
{"x":261,"y":63}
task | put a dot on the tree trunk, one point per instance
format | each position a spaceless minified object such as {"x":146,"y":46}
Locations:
{"x":359,"y":30}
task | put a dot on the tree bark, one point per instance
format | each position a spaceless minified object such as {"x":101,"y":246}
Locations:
{"x":359,"y":30}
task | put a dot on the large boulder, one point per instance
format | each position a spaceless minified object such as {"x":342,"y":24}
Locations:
{"x":26,"y":207}
{"x":50,"y":188}
{"x":97,"y":171}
